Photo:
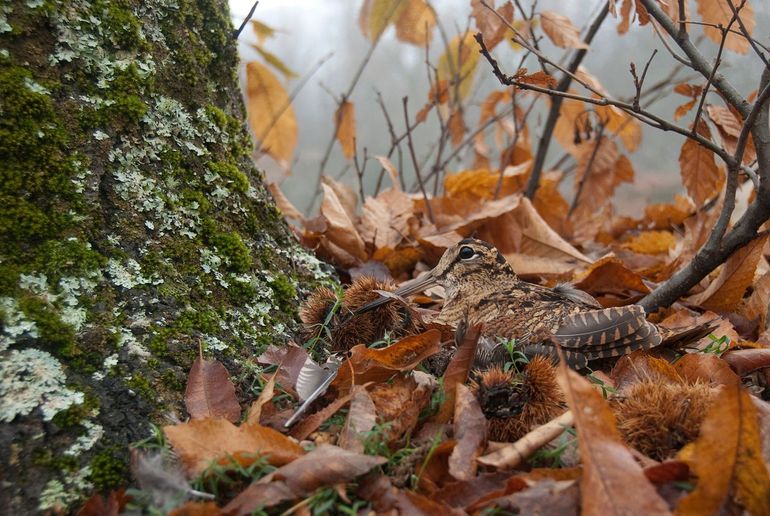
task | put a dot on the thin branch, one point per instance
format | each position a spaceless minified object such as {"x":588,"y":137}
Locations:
{"x":639,"y":82}
{"x":746,"y":34}
{"x":246,"y":20}
{"x":414,"y":161}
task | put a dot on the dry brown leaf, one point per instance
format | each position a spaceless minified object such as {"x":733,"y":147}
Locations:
{"x":273,"y":123}
{"x":490,"y":25}
{"x":286,"y":207}
{"x":457,"y":372}
{"x":376,"y":15}
{"x":416,"y":22}
{"x":725,"y":293}
{"x":196,"y":509}
{"x":369,"y":364}
{"x":727,"y":459}
{"x":345,"y":128}
{"x":705,"y":367}
{"x":290,"y":359}
{"x":361,"y":418}
{"x":560,"y":30}
{"x":456,"y":127}
{"x":612,"y":481}
{"x":539,"y":78}
{"x":757,"y":306}
{"x":457,"y":66}
{"x":202,"y":441}
{"x":346,"y":195}
{"x":568,"y":124}
{"x":745,"y":361}
{"x":665,"y":216}
{"x":327,"y":465}
{"x":400,"y":401}
{"x":387,"y":219}
{"x":255,"y":412}
{"x":610,"y":276}
{"x":701,"y":175}
{"x":639,"y":366}
{"x":210,"y":393}
{"x":340,"y":228}
{"x":621,"y":123}
{"x":112,"y":505}
{"x":310,"y":424}
{"x":651,"y":242}
{"x":729,"y":124}
{"x":718,"y":12}
{"x":470,"y":430}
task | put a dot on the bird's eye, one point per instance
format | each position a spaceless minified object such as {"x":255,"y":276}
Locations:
{"x":466,"y":253}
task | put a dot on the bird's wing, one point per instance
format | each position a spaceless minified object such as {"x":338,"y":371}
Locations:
{"x":607,"y":333}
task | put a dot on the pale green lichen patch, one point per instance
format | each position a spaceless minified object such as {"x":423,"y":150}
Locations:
{"x":32,"y":379}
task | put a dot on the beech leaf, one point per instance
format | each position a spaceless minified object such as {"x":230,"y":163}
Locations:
{"x":210,"y":393}
{"x":470,"y":430}
{"x":560,"y":30}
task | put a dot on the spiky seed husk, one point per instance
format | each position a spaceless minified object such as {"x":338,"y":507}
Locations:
{"x":658,"y":419}
{"x":514,"y":403}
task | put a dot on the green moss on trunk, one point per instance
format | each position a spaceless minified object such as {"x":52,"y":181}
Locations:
{"x":133,"y":229}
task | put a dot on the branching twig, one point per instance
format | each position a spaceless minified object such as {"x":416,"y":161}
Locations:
{"x":414,"y":162}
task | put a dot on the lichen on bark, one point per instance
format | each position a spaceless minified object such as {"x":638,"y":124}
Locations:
{"x":133,"y":229}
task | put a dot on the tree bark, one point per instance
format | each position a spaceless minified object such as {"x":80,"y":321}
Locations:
{"x":133,"y":229}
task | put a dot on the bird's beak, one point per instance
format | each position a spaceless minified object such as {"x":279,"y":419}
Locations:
{"x":414,"y":286}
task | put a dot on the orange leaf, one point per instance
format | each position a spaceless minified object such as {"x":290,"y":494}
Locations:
{"x":725,"y":292}
{"x":457,"y":372}
{"x":610,"y":276}
{"x":651,"y":242}
{"x":271,"y":115}
{"x":718,"y":12}
{"x":560,"y":30}
{"x":416,"y":22}
{"x":196,"y":509}
{"x":539,"y":78}
{"x":210,"y":393}
{"x":201,"y":441}
{"x":705,"y":367}
{"x":701,"y":176}
{"x":345,"y":124}
{"x":456,"y":127}
{"x":612,"y":481}
{"x":727,"y":458}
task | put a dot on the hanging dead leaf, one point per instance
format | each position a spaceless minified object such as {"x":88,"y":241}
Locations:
{"x":470,"y":430}
{"x":340,"y":230}
{"x":612,"y":481}
{"x":560,"y":30}
{"x":570,"y":123}
{"x":456,"y":127}
{"x":729,"y":124}
{"x":490,"y":24}
{"x":688,"y":90}
{"x":210,"y":393}
{"x":376,"y":15}
{"x":617,"y":121}
{"x":626,"y":16}
{"x":345,"y":128}
{"x":327,"y":465}
{"x":725,"y":293}
{"x":275,"y":62}
{"x":416,"y":22}
{"x":727,"y":459}
{"x":271,"y":115}
{"x":665,"y":216}
{"x":391,"y":170}
{"x":701,"y":175}
{"x":199,"y":442}
{"x":457,"y":372}
{"x":457,"y":66}
{"x":262,"y":30}
{"x":716,"y":13}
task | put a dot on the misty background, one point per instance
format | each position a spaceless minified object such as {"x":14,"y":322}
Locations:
{"x":309,"y":31}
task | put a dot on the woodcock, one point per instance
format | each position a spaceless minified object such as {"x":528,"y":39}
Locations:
{"x":481,"y":287}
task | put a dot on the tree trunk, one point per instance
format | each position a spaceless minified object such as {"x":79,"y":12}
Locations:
{"x":134,"y":229}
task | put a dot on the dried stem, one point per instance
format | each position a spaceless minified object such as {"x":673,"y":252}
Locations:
{"x":414,"y":161}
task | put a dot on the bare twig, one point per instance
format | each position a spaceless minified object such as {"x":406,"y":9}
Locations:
{"x":414,"y":162}
{"x":639,"y":82}
{"x":246,"y":20}
{"x":359,"y":169}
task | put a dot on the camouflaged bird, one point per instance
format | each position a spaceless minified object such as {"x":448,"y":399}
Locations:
{"x":481,"y":287}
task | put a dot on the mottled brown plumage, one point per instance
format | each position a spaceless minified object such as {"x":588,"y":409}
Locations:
{"x":483,"y":288}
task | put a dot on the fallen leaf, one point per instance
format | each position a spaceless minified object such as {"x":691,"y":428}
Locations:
{"x":755,"y":307}
{"x":718,"y":12}
{"x":457,"y":372}
{"x":560,"y":30}
{"x":210,"y":393}
{"x":651,"y":242}
{"x":290,"y":359}
{"x":745,"y":361}
{"x":639,"y":366}
{"x":705,"y":367}
{"x":386,"y":499}
{"x":399,"y":403}
{"x":433,"y":474}
{"x":668,"y":471}
{"x":345,"y":128}
{"x":727,"y":458}
{"x":341,"y":230}
{"x":310,"y":424}
{"x":271,"y":115}
{"x":327,"y":465}
{"x":361,"y":418}
{"x":467,"y":492}
{"x":196,"y":509}
{"x":345,"y":194}
{"x":609,"y":276}
{"x":470,"y":430}
{"x":725,"y":293}
{"x":544,"y":497}
{"x":255,"y":412}
{"x":199,"y":442}
{"x":612,"y":481}
{"x":112,"y":505}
